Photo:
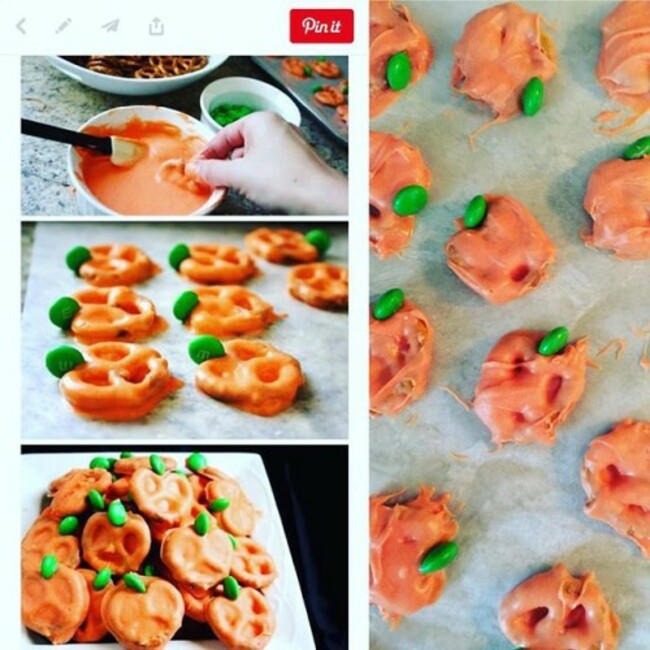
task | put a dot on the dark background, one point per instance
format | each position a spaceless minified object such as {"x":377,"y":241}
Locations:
{"x":310,"y":485}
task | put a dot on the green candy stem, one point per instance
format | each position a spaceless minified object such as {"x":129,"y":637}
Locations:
{"x":554,"y":342}
{"x":96,"y":500}
{"x":320,"y":240}
{"x":439,"y":557}
{"x":134,"y":582}
{"x":177,"y":254}
{"x":157,"y":464}
{"x":63,"y":311}
{"x":202,"y":524}
{"x":219,"y":505}
{"x":126,"y":454}
{"x":388,"y":304}
{"x":638,"y":149}
{"x":68,"y":525}
{"x":100,"y":462}
{"x":410,"y":200}
{"x":399,"y":71}
{"x":185,"y":304}
{"x":117,"y":513}
{"x":63,"y":359}
{"x":196,"y":461}
{"x":475,"y":212}
{"x":532,"y":97}
{"x":231,"y":588}
{"x":49,"y":566}
{"x":205,"y":347}
{"x":102,"y":579}
{"x":77,"y":256}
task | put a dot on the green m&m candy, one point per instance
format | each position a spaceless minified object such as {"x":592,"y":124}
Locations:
{"x":184,"y":305}
{"x":177,"y":254}
{"x":68,"y":525}
{"x":532,"y":97}
{"x":554,"y":342}
{"x":219,"y":505}
{"x":231,"y":588}
{"x":638,"y":149}
{"x":196,"y":461}
{"x":102,"y":579}
{"x":134,"y":582}
{"x":63,"y":359}
{"x":439,"y":557}
{"x":77,"y":256}
{"x":410,"y":200}
{"x":126,"y":454}
{"x":475,"y":212}
{"x":99,"y":462}
{"x":117,"y":513}
{"x":388,"y":304}
{"x":96,"y":500}
{"x":320,"y":240}
{"x":399,"y":71}
{"x":206,"y":347}
{"x":202,"y":524}
{"x":49,"y":566}
{"x":157,"y":464}
{"x":63,"y":311}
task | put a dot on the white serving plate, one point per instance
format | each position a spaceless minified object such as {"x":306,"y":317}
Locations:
{"x":132,"y":87}
{"x":292,"y":632}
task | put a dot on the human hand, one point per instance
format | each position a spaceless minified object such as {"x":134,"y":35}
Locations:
{"x":267,"y":160}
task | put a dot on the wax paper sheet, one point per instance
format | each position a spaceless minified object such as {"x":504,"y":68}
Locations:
{"x":519,"y":509}
{"x":318,"y":339}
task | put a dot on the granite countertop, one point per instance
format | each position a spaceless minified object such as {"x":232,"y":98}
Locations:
{"x":50,"y":96}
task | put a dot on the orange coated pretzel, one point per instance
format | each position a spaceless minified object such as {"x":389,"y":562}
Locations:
{"x":281,"y":246}
{"x":146,"y":620}
{"x":330,"y":96}
{"x":217,"y":264}
{"x":252,"y":566}
{"x":320,"y":285}
{"x":167,"y":498}
{"x":159,"y":527}
{"x":129,"y":466}
{"x":114,"y":265}
{"x":114,"y":314}
{"x":246,"y":623}
{"x":195,"y":601}
{"x":230,"y":310}
{"x":43,"y":538}
{"x":342,"y":111}
{"x":93,"y":628}
{"x":294,"y":66}
{"x":199,"y":561}
{"x":240,"y":517}
{"x":253,"y":376}
{"x":54,"y":608}
{"x":120,"y":548}
{"x":119,"y":382}
{"x":69,"y":491}
{"x":327,"y":69}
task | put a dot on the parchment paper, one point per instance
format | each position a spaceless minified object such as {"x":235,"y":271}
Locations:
{"x":318,"y":339}
{"x":519,"y":509}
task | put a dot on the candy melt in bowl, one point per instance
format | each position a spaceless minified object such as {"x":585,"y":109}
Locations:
{"x":233,"y":97}
{"x":156,"y":184}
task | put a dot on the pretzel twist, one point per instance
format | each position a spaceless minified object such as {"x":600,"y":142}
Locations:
{"x":320,"y":285}
{"x":217,"y":264}
{"x":114,"y":265}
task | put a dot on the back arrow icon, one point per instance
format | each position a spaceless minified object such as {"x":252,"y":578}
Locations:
{"x":19,"y":25}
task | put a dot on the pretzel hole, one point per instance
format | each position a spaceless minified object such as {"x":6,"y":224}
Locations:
{"x":304,"y":274}
{"x":319,"y":285}
{"x":129,"y":255}
{"x":518,"y":417}
{"x":254,"y":629}
{"x":93,"y":299}
{"x":268,"y":372}
{"x":520,"y":273}
{"x":577,"y":618}
{"x":258,"y":607}
{"x":243,"y":303}
{"x":131,"y":543}
{"x":129,"y":307}
{"x":244,"y":353}
{"x":534,"y":616}
{"x":264,"y":236}
{"x":137,"y":374}
{"x":334,"y":273}
{"x":230,"y":256}
{"x":96,"y":377}
{"x":611,"y":475}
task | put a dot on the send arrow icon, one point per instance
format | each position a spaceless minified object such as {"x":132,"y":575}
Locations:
{"x":112,"y":26}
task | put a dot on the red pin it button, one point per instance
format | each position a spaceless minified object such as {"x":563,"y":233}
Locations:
{"x":321,"y":25}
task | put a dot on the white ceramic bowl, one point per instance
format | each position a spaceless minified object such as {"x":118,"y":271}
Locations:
{"x":86,"y":202}
{"x":251,"y":92}
{"x":132,"y":87}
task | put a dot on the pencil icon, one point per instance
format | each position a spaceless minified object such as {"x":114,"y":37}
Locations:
{"x":63,"y":25}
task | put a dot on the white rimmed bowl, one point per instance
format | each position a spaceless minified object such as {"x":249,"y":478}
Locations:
{"x":87,"y":203}
{"x":251,"y":92}
{"x":132,"y":87}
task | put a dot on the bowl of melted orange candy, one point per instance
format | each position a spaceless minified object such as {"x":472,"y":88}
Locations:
{"x":157,"y":184}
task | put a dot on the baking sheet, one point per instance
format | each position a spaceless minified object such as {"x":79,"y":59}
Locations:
{"x":301,"y":89}
{"x":519,"y":509}
{"x":318,"y":339}
{"x":292,"y":632}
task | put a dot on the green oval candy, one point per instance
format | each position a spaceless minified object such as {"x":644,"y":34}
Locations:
{"x":177,"y":254}
{"x":63,"y":311}
{"x":398,"y":71}
{"x":307,"y":70}
{"x":219,"y":505}
{"x":149,"y":570}
{"x":638,"y":149}
{"x":126,"y":454}
{"x":100,"y":462}
{"x":63,"y":359}
{"x":388,"y":304}
{"x":77,"y":256}
{"x":117,"y":513}
{"x":475,"y":212}
{"x":196,"y":461}
{"x":102,"y":579}
{"x":49,"y":566}
{"x":184,"y":305}
{"x":157,"y":464}
{"x":134,"y":582}
{"x":96,"y":500}
{"x":180,"y":472}
{"x":554,"y":342}
{"x":202,"y":524}
{"x":111,"y":463}
{"x":439,"y":557}
{"x":532,"y":97}
{"x":206,"y":347}
{"x":68,"y":525}
{"x":231,"y":588}
{"x":320,"y":240}
{"x":233,"y":541}
{"x":316,"y":88}
{"x":410,"y":200}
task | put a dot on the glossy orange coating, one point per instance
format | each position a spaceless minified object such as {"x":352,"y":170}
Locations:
{"x":93,"y":628}
{"x":280,"y":246}
{"x":118,"y":382}
{"x":54,"y":608}
{"x":554,"y":610}
{"x":120,"y":548}
{"x":129,"y":466}
{"x":507,"y":256}
{"x":246,"y":623}
{"x":401,"y":534}
{"x":392,"y":30}
{"x":43,"y":538}
{"x":618,"y":202}
{"x":616,"y":477}
{"x":144,"y":621}
{"x":523,"y":396}
{"x":321,"y":285}
{"x":195,"y":600}
{"x":394,"y":165}
{"x":217,"y":264}
{"x":252,"y":566}
{"x":70,"y":492}
{"x":401,"y":357}
{"x":241,"y":516}
{"x":253,"y":376}
{"x":167,"y":498}
{"x":330,"y":96}
{"x":228,"y":311}
{"x":114,"y":314}
{"x":327,"y":69}
{"x":295,"y":67}
{"x":114,"y":265}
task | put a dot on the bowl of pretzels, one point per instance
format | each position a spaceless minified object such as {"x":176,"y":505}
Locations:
{"x":137,"y":75}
